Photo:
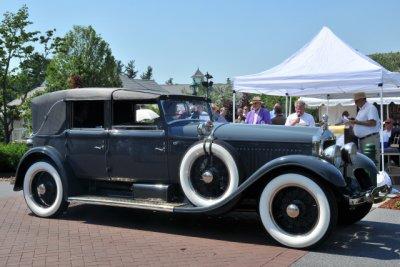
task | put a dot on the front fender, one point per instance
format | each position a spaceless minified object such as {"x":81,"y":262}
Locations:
{"x":42,"y":153}
{"x":320,"y":167}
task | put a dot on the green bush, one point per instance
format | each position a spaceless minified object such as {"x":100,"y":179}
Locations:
{"x":10,"y":154}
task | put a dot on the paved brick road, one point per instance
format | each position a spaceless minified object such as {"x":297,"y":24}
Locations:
{"x":90,"y":236}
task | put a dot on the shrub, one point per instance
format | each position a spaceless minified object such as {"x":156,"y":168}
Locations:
{"x":10,"y":154}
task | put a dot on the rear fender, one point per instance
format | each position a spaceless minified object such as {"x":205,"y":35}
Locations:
{"x":43,"y":153}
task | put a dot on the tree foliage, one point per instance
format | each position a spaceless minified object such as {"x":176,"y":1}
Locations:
{"x":130,"y":70}
{"x":148,"y":74}
{"x":390,"y":61}
{"x":82,"y":59}
{"x":170,"y":81}
{"x":15,"y":43}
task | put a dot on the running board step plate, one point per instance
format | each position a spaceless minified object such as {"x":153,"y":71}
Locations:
{"x":127,"y":203}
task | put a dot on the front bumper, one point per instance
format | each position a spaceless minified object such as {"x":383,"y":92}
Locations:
{"x":376,"y":195}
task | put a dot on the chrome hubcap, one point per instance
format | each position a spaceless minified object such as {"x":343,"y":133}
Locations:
{"x":41,"y":189}
{"x":292,"y":211}
{"x":207,"y":177}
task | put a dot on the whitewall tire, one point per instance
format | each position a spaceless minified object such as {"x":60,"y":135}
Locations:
{"x":197,"y":177}
{"x":296,"y":211}
{"x":43,"y":190}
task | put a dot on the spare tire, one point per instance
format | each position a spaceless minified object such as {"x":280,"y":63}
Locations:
{"x":207,"y":180}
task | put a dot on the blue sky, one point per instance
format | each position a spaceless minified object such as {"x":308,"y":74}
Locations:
{"x":226,"y":38}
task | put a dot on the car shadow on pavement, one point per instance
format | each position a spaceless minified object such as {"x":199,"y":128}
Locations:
{"x":369,"y":239}
{"x":366,"y":239}
{"x":234,"y":226}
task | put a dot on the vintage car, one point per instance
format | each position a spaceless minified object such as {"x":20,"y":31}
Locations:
{"x":154,"y":151}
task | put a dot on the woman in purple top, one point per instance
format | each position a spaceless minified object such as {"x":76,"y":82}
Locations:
{"x":258,"y":114}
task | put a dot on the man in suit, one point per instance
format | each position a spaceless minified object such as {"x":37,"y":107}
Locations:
{"x":258,"y":114}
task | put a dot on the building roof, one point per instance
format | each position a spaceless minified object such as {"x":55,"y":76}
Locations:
{"x":18,"y":101}
{"x":138,"y":84}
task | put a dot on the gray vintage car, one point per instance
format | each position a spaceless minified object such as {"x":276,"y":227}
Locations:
{"x":148,"y":150}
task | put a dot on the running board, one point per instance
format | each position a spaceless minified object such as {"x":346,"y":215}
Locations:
{"x":152,"y":204}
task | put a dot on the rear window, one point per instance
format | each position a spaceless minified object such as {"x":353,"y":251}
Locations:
{"x":88,"y":114}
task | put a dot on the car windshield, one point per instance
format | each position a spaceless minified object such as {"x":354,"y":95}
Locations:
{"x":177,"y":110}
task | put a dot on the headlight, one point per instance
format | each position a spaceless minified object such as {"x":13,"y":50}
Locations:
{"x":316,"y":146}
{"x":333,"y":154}
{"x":348,"y":151}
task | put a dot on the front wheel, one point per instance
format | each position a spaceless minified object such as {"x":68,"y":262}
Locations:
{"x":296,"y":211}
{"x":43,"y":190}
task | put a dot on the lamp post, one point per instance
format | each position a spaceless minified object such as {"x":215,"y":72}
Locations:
{"x":198,"y":78}
{"x":208,"y":83}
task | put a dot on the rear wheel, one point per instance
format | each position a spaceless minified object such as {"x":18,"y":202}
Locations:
{"x":296,"y":211}
{"x":43,"y":190}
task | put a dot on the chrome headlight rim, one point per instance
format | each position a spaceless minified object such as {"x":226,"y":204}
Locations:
{"x":333,"y":154}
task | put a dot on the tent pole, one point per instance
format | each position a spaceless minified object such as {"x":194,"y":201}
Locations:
{"x":290,"y":105}
{"x":327,"y":106}
{"x":381,"y":131}
{"x":387,"y":111}
{"x":233,"y":106}
{"x":286,"y":105}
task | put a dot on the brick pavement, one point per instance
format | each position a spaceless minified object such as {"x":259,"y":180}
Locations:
{"x":108,"y":236}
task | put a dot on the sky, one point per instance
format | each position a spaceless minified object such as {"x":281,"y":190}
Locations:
{"x":227,"y":38}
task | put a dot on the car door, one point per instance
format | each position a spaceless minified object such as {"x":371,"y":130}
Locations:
{"x":137,"y":145}
{"x":86,"y":140}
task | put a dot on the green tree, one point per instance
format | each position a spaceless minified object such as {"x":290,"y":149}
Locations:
{"x":15,"y":43}
{"x":130,"y":70}
{"x":390,"y":61}
{"x":82,"y":59}
{"x":148,"y":74}
{"x":170,"y":81}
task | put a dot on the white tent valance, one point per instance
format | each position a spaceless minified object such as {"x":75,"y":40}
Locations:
{"x":326,"y":65}
{"x":317,"y":102}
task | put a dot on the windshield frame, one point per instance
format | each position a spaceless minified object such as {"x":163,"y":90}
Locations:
{"x":204,"y":101}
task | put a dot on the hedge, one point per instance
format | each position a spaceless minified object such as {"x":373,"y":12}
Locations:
{"x":10,"y":154}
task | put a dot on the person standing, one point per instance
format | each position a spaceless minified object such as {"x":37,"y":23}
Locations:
{"x":258,"y":114}
{"x":366,"y":125}
{"x":222,"y":114}
{"x":240,"y":118}
{"x":300,"y":117}
{"x":279,"y":119}
{"x":272,"y":113}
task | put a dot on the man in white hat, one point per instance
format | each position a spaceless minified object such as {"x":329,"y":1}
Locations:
{"x":366,"y":125}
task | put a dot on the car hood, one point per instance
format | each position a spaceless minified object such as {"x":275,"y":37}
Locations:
{"x":271,"y":133}
{"x":245,"y":132}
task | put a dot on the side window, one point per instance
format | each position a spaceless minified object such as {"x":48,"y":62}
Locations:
{"x":88,"y":114}
{"x":135,"y":115}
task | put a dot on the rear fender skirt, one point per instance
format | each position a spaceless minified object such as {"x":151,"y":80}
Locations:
{"x":43,"y":153}
{"x":320,"y":167}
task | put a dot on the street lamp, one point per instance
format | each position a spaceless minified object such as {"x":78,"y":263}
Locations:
{"x":208,"y":83}
{"x":198,"y":78}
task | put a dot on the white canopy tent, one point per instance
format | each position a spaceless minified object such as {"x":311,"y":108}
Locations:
{"x":326,"y":66}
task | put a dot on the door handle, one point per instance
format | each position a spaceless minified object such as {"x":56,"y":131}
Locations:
{"x":99,"y":147}
{"x":161,"y":149}
{"x":176,"y":143}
